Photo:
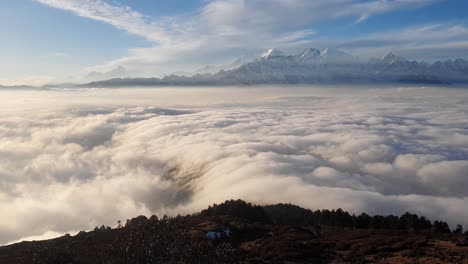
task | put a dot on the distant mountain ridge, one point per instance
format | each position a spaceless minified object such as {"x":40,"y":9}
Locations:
{"x":15,"y":87}
{"x":312,"y":66}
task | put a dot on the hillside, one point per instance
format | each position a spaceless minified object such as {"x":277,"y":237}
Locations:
{"x":238,"y":232}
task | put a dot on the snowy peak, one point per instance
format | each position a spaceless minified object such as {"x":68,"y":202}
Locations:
{"x":391,"y":58}
{"x":310,"y":53}
{"x":272,"y":53}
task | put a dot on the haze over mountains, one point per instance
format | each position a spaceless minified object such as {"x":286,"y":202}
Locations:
{"x":311,"y":66}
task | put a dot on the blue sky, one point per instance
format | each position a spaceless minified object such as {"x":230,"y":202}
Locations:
{"x":72,"y":40}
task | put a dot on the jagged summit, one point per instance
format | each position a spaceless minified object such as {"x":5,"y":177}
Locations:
{"x":310,"y":53}
{"x":391,"y":58}
{"x":272,"y":53}
{"x":389,"y":55}
{"x":329,"y":54}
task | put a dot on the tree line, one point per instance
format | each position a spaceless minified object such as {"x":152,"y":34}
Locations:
{"x":289,"y":214}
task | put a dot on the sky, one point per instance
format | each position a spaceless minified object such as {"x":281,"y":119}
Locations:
{"x":53,"y":41}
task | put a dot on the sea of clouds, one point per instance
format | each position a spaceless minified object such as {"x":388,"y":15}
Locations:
{"x":72,"y":160}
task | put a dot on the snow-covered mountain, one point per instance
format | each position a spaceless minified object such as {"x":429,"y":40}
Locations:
{"x":313,"y":66}
{"x":390,"y":58}
{"x":336,"y":66}
{"x":310,"y":55}
{"x":271,"y":53}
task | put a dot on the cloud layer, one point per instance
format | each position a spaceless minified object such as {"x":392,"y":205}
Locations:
{"x":373,"y":150}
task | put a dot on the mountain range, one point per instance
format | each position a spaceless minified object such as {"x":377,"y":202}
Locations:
{"x":313,"y":66}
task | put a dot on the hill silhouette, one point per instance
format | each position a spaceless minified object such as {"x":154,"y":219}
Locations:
{"x":239,"y":232}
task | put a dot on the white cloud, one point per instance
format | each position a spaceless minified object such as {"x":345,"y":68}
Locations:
{"x":122,"y":17}
{"x":448,"y":177}
{"x":110,"y":155}
{"x":372,"y":8}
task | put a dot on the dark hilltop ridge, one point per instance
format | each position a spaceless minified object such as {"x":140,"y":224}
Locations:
{"x":239,"y":232}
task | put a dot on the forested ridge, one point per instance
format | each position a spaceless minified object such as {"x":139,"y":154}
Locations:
{"x":289,"y":214}
{"x":240,"y":232}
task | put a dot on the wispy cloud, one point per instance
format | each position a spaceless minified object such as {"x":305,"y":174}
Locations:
{"x":373,"y":8}
{"x":431,"y":32}
{"x":122,"y":17}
